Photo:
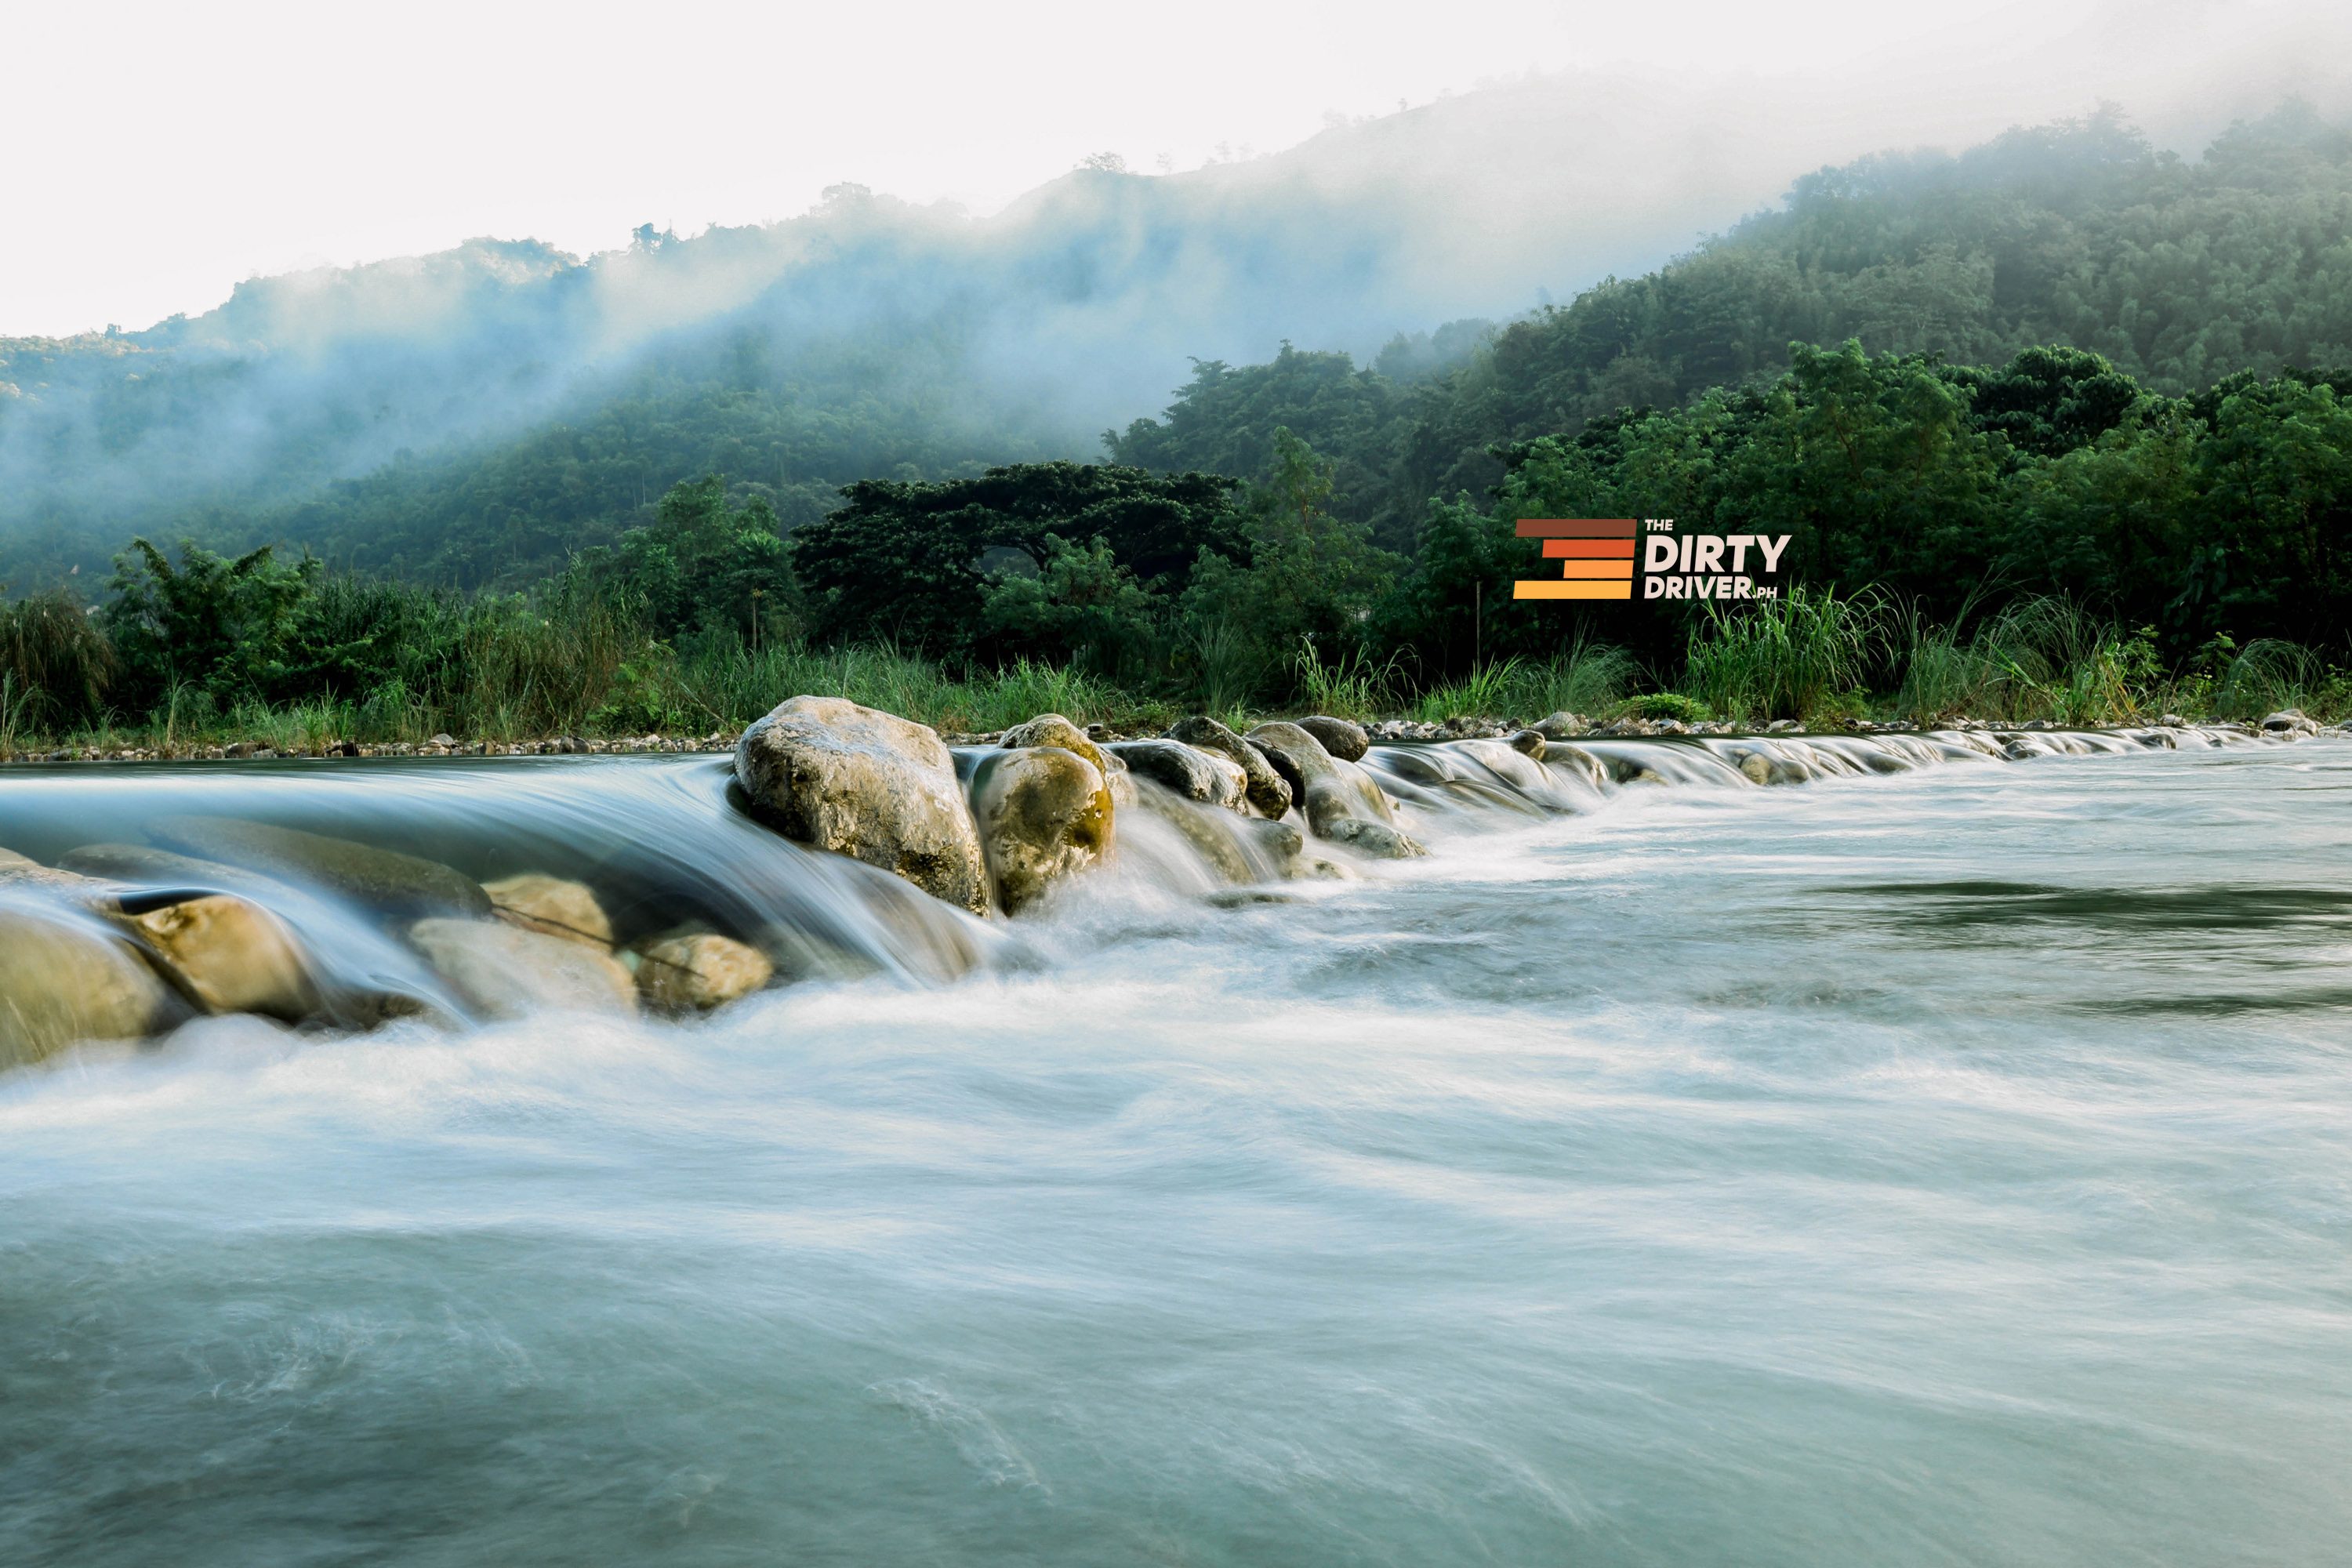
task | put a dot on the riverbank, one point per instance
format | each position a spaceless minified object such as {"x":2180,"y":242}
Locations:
{"x":1558,"y":726}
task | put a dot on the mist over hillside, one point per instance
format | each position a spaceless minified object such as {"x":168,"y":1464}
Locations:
{"x":475,"y":413}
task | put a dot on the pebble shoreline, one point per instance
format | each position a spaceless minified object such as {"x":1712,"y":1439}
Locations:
{"x":1378,"y":730}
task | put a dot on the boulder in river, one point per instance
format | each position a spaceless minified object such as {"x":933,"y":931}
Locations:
{"x":1043,"y":814}
{"x":231,"y":955}
{"x":2290,"y":722}
{"x":1053,"y":730}
{"x":1197,"y":776}
{"x":868,"y":785}
{"x":385,"y":880}
{"x":697,"y":971}
{"x":1561,"y":725}
{"x":553,"y":907}
{"x":1262,"y":785}
{"x":65,"y":977}
{"x":1342,"y":739}
{"x":1334,"y":793}
{"x":504,"y":970}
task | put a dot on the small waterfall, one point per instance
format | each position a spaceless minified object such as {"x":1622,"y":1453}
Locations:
{"x":663,"y":847}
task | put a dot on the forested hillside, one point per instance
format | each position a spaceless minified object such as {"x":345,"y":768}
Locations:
{"x":2078,"y":234}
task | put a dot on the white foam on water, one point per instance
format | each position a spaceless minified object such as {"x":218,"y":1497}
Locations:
{"x":1942,"y":1166}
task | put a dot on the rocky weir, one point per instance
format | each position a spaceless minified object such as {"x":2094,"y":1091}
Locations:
{"x":839,"y":841}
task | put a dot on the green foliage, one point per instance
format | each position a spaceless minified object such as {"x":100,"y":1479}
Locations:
{"x":1080,"y":606}
{"x":1790,"y":657}
{"x":1229,"y":421}
{"x":1303,"y":575}
{"x":1670,"y":705}
{"x":903,"y":561}
{"x":704,"y":564}
{"x":226,"y":627}
{"x":1349,"y":687}
{"x":1484,"y":693}
{"x":54,"y":665}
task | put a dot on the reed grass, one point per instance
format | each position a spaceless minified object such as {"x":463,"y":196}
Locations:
{"x":1800,"y":656}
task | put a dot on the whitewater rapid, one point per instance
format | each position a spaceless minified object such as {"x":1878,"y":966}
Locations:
{"x":1941,"y":1167}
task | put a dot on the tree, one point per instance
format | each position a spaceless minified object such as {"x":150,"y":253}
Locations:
{"x":910,"y":561}
{"x":703,"y":564}
{"x":225,"y":626}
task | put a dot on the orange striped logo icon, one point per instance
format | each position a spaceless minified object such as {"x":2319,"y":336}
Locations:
{"x":1596,"y":557}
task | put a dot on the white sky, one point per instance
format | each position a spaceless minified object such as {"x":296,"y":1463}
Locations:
{"x":157,"y":153}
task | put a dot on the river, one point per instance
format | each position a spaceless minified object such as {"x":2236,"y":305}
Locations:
{"x":1948,"y":1167}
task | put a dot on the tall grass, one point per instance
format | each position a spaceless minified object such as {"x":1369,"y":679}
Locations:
{"x":1793,"y":657}
{"x":1350,"y":687}
{"x":1588,"y":677}
{"x":2268,"y":674}
{"x":54,"y":665}
{"x":2041,"y":657}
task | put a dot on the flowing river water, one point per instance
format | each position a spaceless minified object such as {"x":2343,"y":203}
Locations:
{"x":1948,"y":1166}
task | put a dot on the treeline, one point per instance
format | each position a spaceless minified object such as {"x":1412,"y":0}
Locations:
{"x":2165,"y":536}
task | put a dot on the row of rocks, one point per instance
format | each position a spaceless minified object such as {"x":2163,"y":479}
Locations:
{"x":996,"y":826}
{"x":88,"y":951}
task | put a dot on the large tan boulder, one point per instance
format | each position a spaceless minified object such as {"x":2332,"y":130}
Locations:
{"x":868,"y":785}
{"x":1053,"y":730}
{"x":1340,"y":801}
{"x":233,"y":956}
{"x":64,"y":977}
{"x":1044,"y":814}
{"x":1265,"y":788}
{"x":553,"y":907}
{"x":504,"y":972}
{"x":698,"y":970}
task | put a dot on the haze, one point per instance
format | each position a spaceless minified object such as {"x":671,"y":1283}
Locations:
{"x":166,"y":151}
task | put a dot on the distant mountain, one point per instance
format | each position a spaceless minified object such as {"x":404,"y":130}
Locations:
{"x":475,"y":415}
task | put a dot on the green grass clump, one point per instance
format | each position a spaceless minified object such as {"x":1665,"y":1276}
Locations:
{"x":1790,"y":658}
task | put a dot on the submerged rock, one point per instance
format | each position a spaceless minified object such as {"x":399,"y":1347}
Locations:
{"x":1761,"y":767}
{"x":1377,"y":838}
{"x":1195,"y":774}
{"x":553,"y":907}
{"x":1044,"y":814}
{"x":65,"y":977}
{"x":504,"y":970}
{"x":1343,"y":739}
{"x":868,"y":784}
{"x":20,"y":871}
{"x":383,"y":880}
{"x":1337,"y":798}
{"x":697,"y":971}
{"x":1265,"y":788}
{"x":231,"y":955}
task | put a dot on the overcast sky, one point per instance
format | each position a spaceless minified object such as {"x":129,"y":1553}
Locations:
{"x":160,"y":153}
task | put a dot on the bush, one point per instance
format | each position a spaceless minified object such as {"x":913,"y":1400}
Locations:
{"x":1670,"y":705}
